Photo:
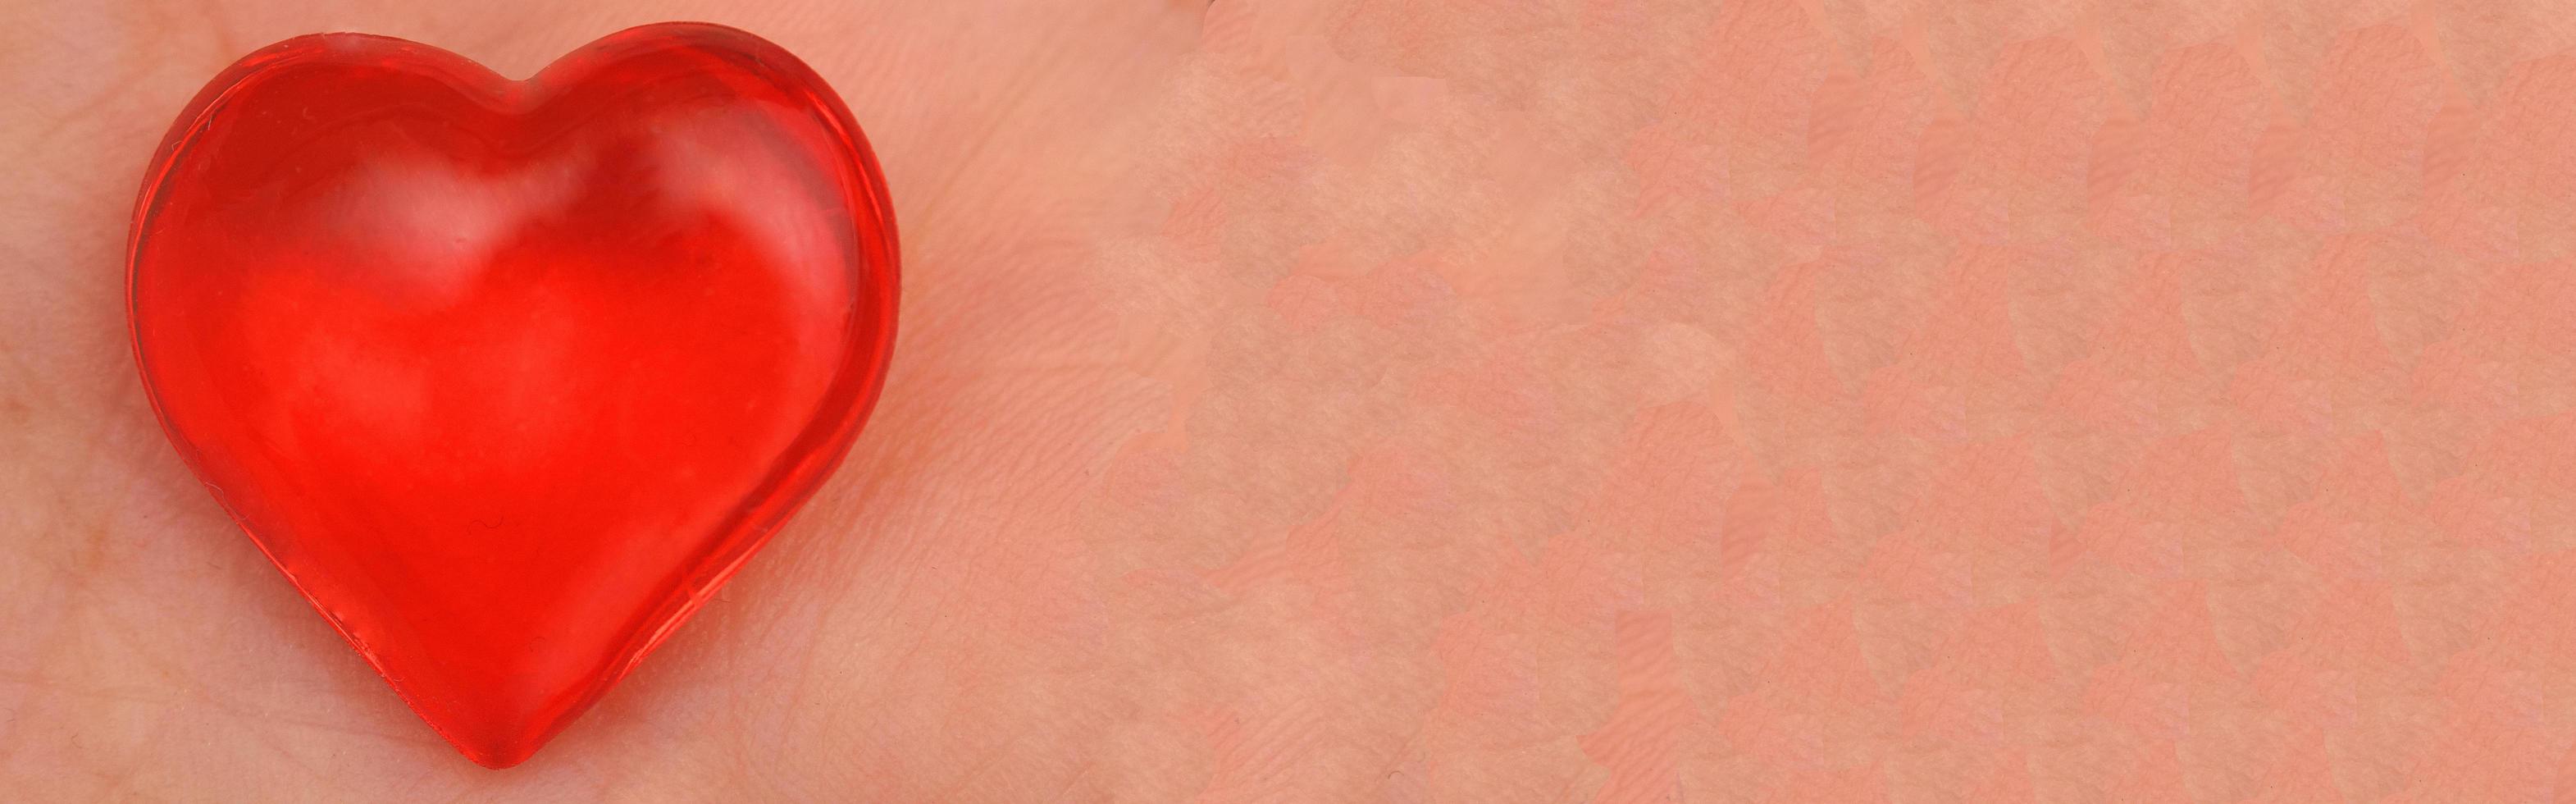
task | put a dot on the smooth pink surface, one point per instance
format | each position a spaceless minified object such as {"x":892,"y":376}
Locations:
{"x":1424,"y":401}
{"x":508,"y":377}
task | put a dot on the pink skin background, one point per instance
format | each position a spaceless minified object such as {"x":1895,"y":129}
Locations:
{"x":1489,"y":400}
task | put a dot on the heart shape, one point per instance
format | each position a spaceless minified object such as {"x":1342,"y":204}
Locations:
{"x":508,"y":377}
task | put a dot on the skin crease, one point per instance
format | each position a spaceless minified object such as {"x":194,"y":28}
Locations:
{"x":1568,"y":400}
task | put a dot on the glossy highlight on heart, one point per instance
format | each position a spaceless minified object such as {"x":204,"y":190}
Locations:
{"x":509,"y":376}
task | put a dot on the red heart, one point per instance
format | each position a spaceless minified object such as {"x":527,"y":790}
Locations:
{"x":508,"y":377}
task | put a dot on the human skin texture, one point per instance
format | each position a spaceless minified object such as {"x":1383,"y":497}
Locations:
{"x":1598,"y":400}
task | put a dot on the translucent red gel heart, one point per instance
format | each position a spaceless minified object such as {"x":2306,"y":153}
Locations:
{"x":506,"y":376}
